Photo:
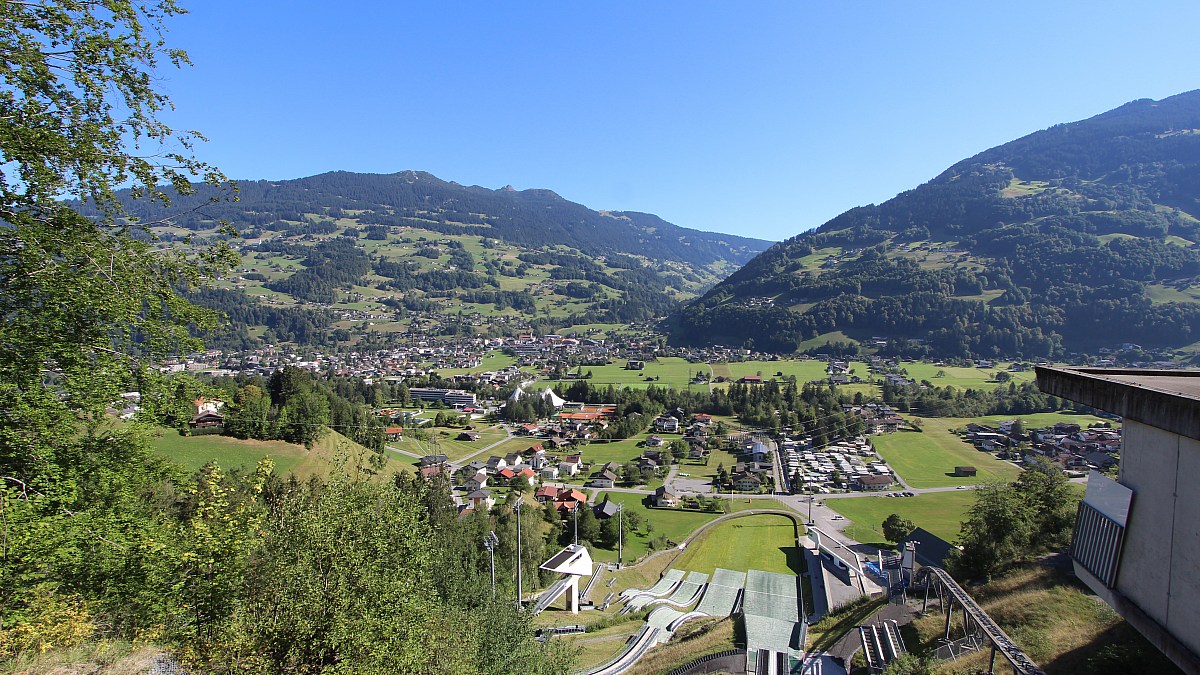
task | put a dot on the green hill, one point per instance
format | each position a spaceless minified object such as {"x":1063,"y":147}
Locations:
{"x":1076,"y":238}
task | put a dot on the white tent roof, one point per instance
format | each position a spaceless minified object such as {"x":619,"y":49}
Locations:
{"x":520,"y":392}
{"x":554,"y":399}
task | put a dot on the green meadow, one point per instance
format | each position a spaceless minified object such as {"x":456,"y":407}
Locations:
{"x":941,"y":513}
{"x":761,"y":542}
{"x":926,"y":459}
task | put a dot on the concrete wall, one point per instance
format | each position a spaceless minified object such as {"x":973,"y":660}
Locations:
{"x":1160,"y":564}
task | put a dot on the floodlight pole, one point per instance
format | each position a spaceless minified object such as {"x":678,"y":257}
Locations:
{"x":620,"y":533}
{"x":575,"y":511}
{"x":519,"y":591}
{"x":489,"y":542}
{"x":810,"y":504}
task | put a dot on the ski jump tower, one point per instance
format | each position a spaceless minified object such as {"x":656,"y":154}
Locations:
{"x":575,"y":562}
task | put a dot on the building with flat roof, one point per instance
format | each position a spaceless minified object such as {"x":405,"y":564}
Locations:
{"x":451,"y":397}
{"x":1137,"y":539}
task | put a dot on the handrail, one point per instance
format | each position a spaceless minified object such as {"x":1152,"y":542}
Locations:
{"x":1000,"y":640}
{"x":587,"y":590}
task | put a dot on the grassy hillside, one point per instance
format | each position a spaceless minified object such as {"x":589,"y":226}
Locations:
{"x":1057,"y":622}
{"x":332,"y":448}
{"x":334,"y":257}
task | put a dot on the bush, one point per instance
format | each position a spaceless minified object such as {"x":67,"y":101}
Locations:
{"x":49,"y":620}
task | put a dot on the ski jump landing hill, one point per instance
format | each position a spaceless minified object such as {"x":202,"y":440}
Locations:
{"x":771,"y":604}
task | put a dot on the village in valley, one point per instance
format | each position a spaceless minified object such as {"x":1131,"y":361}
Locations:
{"x":739,"y":372}
{"x":494,"y":419}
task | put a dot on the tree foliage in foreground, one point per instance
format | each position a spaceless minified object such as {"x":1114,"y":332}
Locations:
{"x":99,"y":537}
{"x":1012,"y":522}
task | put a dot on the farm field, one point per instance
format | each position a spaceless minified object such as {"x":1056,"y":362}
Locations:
{"x":824,"y":338}
{"x":492,"y":361}
{"x":193,"y":452}
{"x":716,"y":458}
{"x":670,"y":371}
{"x":598,"y":453}
{"x":962,"y":378}
{"x":1034,"y":420}
{"x":762,"y":542}
{"x":941,"y":513}
{"x":1159,"y":293}
{"x":804,"y":370}
{"x":925,"y":460}
{"x":455,"y":449}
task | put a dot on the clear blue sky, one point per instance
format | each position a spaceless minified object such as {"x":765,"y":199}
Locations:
{"x":757,"y":118}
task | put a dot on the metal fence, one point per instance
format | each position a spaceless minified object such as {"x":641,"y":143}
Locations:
{"x":691,"y":667}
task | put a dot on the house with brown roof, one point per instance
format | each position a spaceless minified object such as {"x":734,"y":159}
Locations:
{"x":746,"y":482}
{"x":873,"y":482}
{"x":570,"y":499}
{"x":546,"y":493}
{"x":481,"y":500}
{"x":476,"y":482}
{"x":570,"y":465}
{"x":665,"y":498}
{"x":604,"y":479}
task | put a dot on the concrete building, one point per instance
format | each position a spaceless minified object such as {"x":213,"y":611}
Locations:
{"x":1137,"y":539}
{"x":451,"y":397}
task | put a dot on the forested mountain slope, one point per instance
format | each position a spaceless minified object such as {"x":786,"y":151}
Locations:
{"x":326,"y":255}
{"x":1079,"y":237}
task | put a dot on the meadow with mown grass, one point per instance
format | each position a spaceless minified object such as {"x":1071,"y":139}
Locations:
{"x":760,"y":542}
{"x":941,"y":513}
{"x":330,"y":450}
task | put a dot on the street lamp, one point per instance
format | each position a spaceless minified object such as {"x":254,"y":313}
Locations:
{"x":489,"y":542}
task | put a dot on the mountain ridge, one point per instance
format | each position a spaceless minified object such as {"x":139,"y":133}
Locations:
{"x":1003,"y":253}
{"x":533,"y":216}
